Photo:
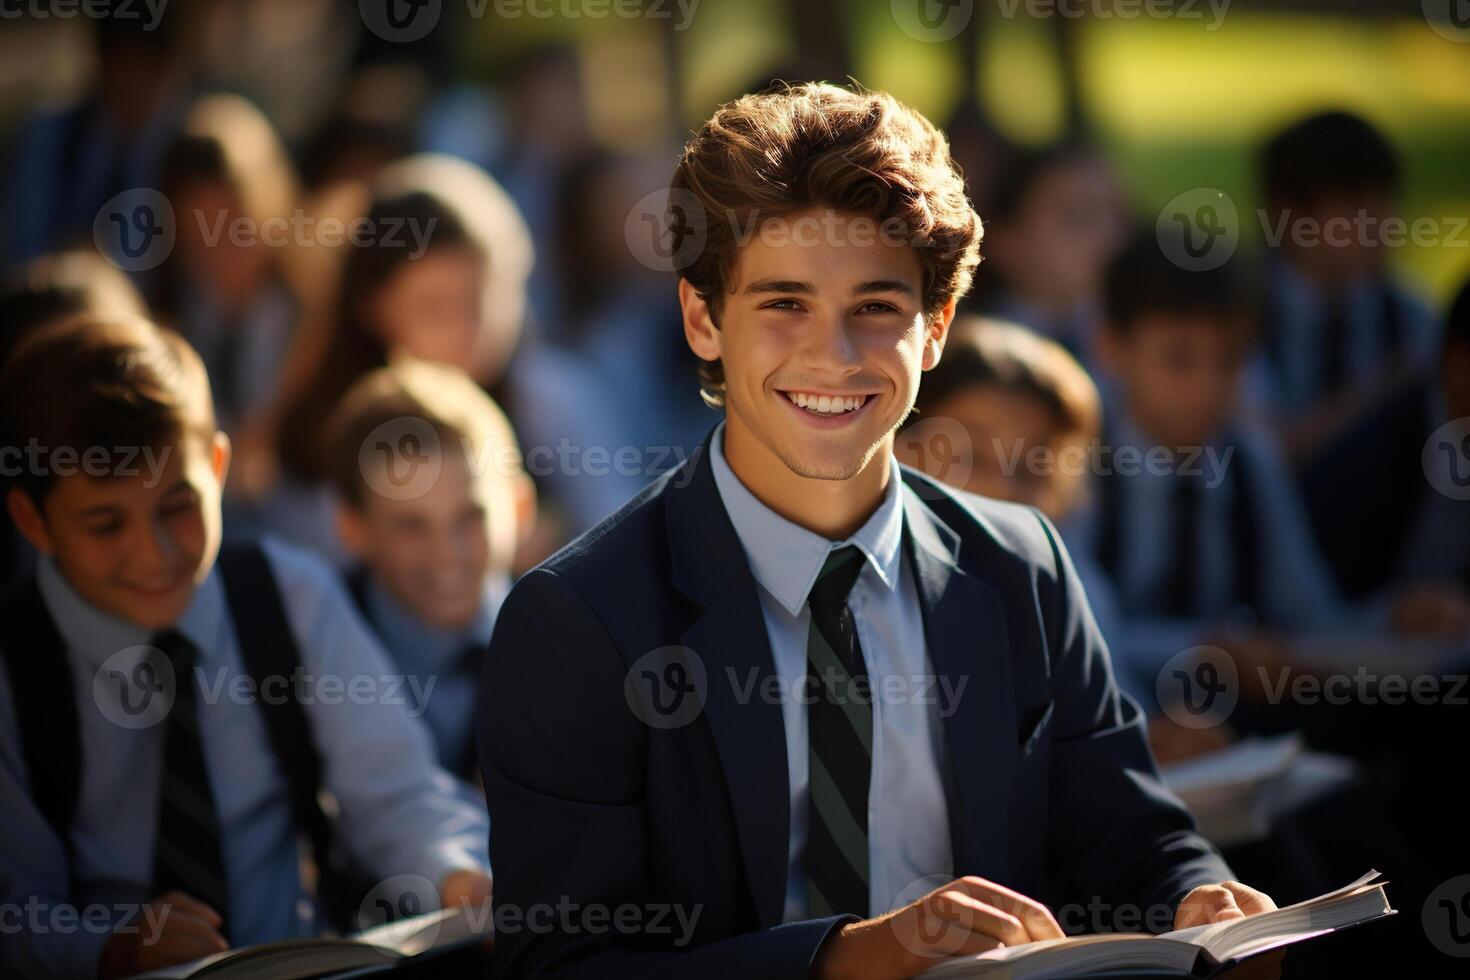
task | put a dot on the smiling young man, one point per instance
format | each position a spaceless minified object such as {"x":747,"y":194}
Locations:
{"x":721,"y":701}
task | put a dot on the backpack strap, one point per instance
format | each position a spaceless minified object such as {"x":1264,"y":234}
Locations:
{"x":45,"y":706}
{"x":268,"y":648}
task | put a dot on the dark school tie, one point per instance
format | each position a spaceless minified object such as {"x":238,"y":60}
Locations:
{"x":188,"y":856}
{"x":840,"y":727}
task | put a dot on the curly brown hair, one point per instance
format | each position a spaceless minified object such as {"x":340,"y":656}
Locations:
{"x":821,"y":145}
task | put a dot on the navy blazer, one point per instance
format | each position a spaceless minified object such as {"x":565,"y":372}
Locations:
{"x":1052,"y":790}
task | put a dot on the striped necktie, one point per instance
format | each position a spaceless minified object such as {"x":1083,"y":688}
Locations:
{"x":840,"y":727}
{"x":188,"y":855}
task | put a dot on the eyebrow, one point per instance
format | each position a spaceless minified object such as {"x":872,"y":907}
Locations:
{"x":798,"y":287}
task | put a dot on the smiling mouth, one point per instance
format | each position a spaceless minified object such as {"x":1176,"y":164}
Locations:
{"x":826,"y":406}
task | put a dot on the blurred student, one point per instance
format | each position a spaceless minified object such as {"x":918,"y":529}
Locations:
{"x":45,"y":290}
{"x":142,"y":759}
{"x":434,"y":547}
{"x":1338,"y":331}
{"x":438,"y":272}
{"x":1194,"y":519}
{"x":71,"y":161}
{"x":1057,"y":218}
{"x":226,"y":285}
{"x":1006,"y":414}
{"x":1397,"y":529}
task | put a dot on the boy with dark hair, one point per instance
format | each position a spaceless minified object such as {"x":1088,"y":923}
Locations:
{"x":1194,"y":521}
{"x":706,"y":703}
{"x":169,"y":729}
{"x":435,"y":546}
{"x":1338,"y":331}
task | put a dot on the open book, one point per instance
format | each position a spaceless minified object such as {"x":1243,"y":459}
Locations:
{"x":1200,"y":951}
{"x":297,"y":959}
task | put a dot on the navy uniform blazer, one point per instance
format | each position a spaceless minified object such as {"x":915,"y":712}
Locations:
{"x":602,"y":823}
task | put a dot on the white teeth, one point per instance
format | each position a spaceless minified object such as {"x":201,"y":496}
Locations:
{"x":826,"y":404}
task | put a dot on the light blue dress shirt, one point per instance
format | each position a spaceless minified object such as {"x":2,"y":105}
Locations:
{"x":1292,"y":384}
{"x":1296,"y":587}
{"x":400,"y":814}
{"x":431,"y":656}
{"x":909,"y":851}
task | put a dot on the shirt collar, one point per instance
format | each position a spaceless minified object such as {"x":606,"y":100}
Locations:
{"x":786,"y":557}
{"x":404,"y":633}
{"x":96,"y":635}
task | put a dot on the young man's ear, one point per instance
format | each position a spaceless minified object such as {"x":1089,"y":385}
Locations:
{"x":936,"y":332}
{"x":28,"y":519}
{"x":220,"y":453}
{"x":350,"y":529}
{"x":699,"y":325}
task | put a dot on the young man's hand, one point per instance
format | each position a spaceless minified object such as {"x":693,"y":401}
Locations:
{"x":1220,"y":903}
{"x":465,"y":890}
{"x":970,"y":915}
{"x":187,"y":930}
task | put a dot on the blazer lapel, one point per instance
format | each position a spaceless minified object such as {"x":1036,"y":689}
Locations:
{"x":729,"y":635}
{"x":969,"y":647}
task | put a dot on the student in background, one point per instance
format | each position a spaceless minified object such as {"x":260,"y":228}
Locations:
{"x":131,"y":651}
{"x":434,"y":547}
{"x":45,"y":290}
{"x":1057,"y":218}
{"x":1407,"y":523}
{"x":1338,"y":331}
{"x":227,"y":286}
{"x":1194,"y":519}
{"x":1006,"y":414}
{"x":440,"y":275}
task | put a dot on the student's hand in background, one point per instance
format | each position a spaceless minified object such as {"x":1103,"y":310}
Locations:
{"x":465,"y":890}
{"x":1432,"y":609}
{"x":970,"y":915}
{"x":1228,"y":900}
{"x":1173,"y":742}
{"x":187,"y":929}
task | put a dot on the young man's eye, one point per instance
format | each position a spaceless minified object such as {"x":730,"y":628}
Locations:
{"x":877,"y":306}
{"x":104,"y":530}
{"x":782,"y":304}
